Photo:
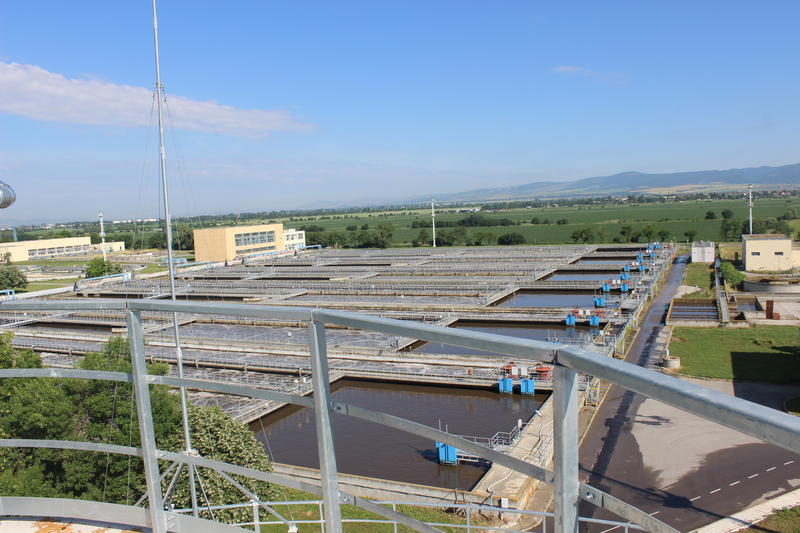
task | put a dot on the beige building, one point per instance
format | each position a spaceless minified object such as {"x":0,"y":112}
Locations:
{"x":236,"y":242}
{"x":294,"y":239}
{"x":771,"y":252}
{"x":43,"y":248}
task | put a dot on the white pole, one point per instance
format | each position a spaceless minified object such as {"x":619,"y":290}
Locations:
{"x":102,"y":235}
{"x":168,"y":230}
{"x":750,"y":205}
{"x":433,"y":222}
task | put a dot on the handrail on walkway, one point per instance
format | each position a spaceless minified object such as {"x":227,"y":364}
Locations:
{"x":753,"y":419}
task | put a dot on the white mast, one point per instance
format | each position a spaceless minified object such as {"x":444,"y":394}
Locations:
{"x":433,"y":222}
{"x":102,"y":235}
{"x":750,"y":205}
{"x":168,"y":231}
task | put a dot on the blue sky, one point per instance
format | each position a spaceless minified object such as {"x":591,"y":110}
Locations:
{"x":286,"y":104}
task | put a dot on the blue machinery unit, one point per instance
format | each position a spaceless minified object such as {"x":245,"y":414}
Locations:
{"x":505,"y":385}
{"x":527,"y":387}
{"x":599,"y":301}
{"x":446,"y":454}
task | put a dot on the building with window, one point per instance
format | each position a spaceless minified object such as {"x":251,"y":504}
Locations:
{"x":44,"y":248}
{"x":294,"y":239}
{"x":771,"y":252}
{"x":237,"y":242}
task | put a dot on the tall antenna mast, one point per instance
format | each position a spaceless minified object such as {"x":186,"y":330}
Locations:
{"x":168,"y":230}
{"x":750,"y":205}
{"x":102,"y":235}
{"x":433,"y":222}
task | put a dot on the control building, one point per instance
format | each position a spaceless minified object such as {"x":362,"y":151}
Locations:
{"x":770,"y":252}
{"x":44,"y":248}
{"x":237,"y":242}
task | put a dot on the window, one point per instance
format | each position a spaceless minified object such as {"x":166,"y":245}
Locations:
{"x":755,"y":253}
{"x":249,"y":239}
{"x":778,"y":253}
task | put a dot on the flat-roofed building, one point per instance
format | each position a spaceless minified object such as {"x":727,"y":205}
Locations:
{"x":44,"y":248}
{"x":226,"y":244}
{"x":294,"y":239}
{"x":703,"y":252}
{"x":770,"y":252}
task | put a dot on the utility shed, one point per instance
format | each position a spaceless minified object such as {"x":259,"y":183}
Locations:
{"x":771,"y":252}
{"x":703,"y":252}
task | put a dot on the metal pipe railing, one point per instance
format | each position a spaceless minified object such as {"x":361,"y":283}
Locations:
{"x":759,"y":421}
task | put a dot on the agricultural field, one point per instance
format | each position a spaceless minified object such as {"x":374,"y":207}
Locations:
{"x":677,"y":221}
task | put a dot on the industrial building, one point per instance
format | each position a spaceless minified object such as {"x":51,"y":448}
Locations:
{"x":236,"y":242}
{"x":771,"y":252}
{"x":45,"y":248}
{"x":703,"y":252}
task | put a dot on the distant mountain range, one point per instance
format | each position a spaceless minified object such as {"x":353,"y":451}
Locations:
{"x":635,"y":182}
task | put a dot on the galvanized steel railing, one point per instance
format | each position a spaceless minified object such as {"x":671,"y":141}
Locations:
{"x":755,"y":420}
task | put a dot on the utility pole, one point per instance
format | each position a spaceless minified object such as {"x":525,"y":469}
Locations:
{"x":168,"y":230}
{"x":433,"y":221}
{"x":750,"y":205}
{"x":102,"y":235}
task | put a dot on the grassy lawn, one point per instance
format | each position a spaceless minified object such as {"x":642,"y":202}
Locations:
{"x":700,"y":275}
{"x":760,"y":353}
{"x":784,"y":521}
{"x":44,"y":285}
{"x":311,"y":512}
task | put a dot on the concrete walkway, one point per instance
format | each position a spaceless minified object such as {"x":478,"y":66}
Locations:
{"x":753,"y":515}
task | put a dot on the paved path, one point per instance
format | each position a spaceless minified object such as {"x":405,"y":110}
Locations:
{"x":688,"y":471}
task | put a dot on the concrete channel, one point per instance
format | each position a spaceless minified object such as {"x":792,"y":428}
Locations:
{"x":507,"y":290}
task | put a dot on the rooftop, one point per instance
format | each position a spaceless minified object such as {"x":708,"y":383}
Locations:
{"x":766,"y":237}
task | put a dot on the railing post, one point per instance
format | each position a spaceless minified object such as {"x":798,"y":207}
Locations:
{"x":565,"y":451}
{"x":322,"y":415}
{"x":256,"y":517}
{"x":143,"y":411}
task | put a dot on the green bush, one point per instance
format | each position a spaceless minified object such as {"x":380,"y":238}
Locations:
{"x":732,"y":276}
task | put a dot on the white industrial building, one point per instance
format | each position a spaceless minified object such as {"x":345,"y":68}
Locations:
{"x":703,"y":252}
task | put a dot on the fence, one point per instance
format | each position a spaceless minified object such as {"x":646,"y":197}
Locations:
{"x":755,"y":420}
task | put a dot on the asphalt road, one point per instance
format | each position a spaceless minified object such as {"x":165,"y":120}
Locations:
{"x":728,"y":480}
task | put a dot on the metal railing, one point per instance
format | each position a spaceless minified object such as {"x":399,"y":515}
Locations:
{"x":755,"y":420}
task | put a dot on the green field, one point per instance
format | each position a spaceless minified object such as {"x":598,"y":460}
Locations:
{"x":784,"y":521}
{"x":700,"y":275}
{"x":605,"y":220}
{"x":759,"y":353}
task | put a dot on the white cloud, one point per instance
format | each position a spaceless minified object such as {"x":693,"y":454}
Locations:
{"x":572,"y":70}
{"x":30,"y":91}
{"x":613,"y":78}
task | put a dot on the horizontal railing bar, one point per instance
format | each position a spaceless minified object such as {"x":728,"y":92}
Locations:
{"x":65,"y":373}
{"x":226,"y":467}
{"x":71,"y":445}
{"x":753,"y":419}
{"x":64,"y":305}
{"x":489,"y":342}
{"x":209,"y":308}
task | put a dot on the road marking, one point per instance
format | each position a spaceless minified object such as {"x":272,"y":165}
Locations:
{"x":771,"y":469}
{"x":695,"y":498}
{"x":787,"y":463}
{"x":654,"y":513}
{"x":734,"y":483}
{"x":751,"y":477}
{"x":715,"y":490}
